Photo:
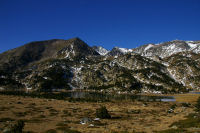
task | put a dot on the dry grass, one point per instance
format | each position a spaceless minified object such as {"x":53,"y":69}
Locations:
{"x":191,"y":98}
{"x":43,"y":115}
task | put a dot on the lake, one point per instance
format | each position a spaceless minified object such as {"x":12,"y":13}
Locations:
{"x":91,"y":96}
{"x":107,"y":96}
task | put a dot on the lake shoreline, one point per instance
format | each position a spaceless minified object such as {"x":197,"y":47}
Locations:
{"x":183,"y":97}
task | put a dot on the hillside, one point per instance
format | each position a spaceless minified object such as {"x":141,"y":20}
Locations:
{"x":53,"y":65}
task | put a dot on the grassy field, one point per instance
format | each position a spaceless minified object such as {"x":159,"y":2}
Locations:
{"x":189,"y":97}
{"x":51,"y":116}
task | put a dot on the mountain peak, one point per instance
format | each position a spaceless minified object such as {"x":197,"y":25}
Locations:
{"x":100,"y":50}
{"x":166,"y":49}
{"x":117,"y":51}
{"x":42,"y":50}
{"x":76,"y":39}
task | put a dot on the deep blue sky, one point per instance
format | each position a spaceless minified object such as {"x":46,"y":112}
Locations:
{"x":109,"y":23}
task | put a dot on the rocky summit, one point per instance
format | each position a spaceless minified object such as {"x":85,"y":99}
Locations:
{"x":54,"y":65}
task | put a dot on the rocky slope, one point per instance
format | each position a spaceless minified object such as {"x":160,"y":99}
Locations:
{"x":100,"y":50}
{"x":116,"y":51}
{"x":185,"y":68}
{"x":55,"y":65}
{"x":168,"y":48}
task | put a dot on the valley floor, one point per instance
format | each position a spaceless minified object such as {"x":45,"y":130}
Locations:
{"x":50,"y":116}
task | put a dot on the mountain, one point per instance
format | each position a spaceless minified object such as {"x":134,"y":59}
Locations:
{"x":185,"y":68}
{"x":42,"y":50}
{"x":55,"y":65}
{"x":22,"y":67}
{"x":116,"y":51}
{"x":100,"y":50}
{"x":168,"y":48}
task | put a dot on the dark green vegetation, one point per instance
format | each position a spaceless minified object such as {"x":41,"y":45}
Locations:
{"x":55,"y":77}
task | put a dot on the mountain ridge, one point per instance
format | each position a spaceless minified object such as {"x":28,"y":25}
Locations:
{"x":72,"y":64}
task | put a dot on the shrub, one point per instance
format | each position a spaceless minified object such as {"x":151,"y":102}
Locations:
{"x":186,"y":104}
{"x":173,"y":106}
{"x":198,"y":105}
{"x":102,"y":113}
{"x":18,"y":127}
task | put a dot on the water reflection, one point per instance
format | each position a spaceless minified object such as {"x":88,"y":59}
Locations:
{"x":95,"y":95}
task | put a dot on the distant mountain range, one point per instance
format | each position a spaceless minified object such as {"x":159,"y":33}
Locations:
{"x":53,"y":65}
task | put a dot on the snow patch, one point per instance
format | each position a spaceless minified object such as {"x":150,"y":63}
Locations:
{"x":192,"y":45}
{"x":45,"y":77}
{"x":29,"y":88}
{"x":101,"y":50}
{"x":148,"y":47}
{"x":125,"y":50}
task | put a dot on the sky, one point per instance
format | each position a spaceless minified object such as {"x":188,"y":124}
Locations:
{"x":108,"y":23}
